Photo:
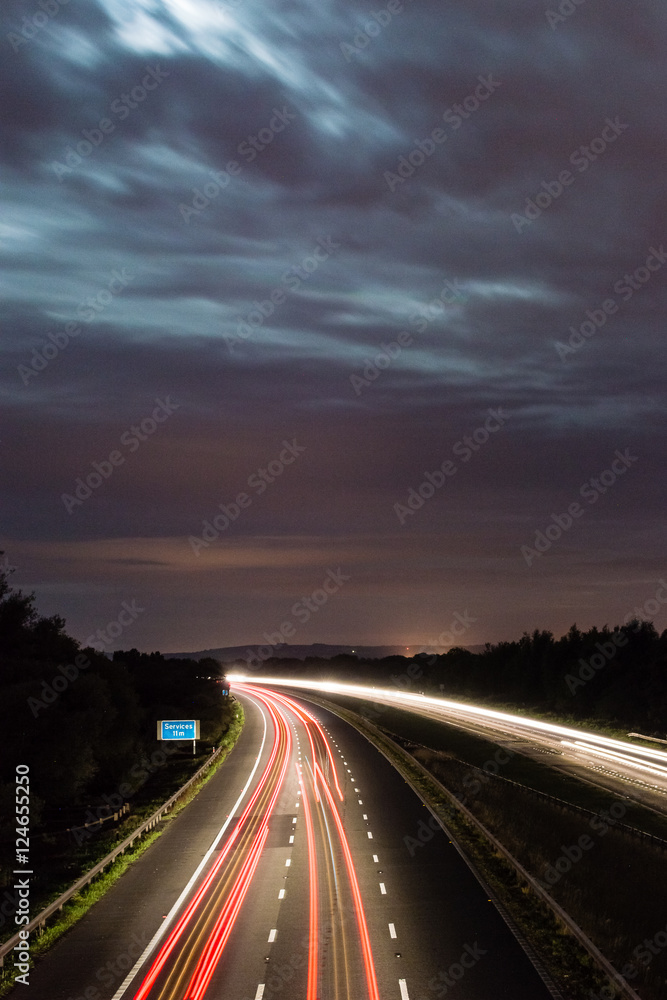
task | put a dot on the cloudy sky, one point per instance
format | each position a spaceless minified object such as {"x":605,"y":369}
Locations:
{"x":371,"y":294}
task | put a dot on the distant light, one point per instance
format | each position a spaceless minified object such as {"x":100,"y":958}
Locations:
{"x":448,"y":707}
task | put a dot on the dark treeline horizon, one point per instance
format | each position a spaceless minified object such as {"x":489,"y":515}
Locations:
{"x":85,"y":724}
{"x":615,"y":675}
{"x":84,"y":721}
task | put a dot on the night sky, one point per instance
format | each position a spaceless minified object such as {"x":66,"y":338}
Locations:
{"x":269,"y":264}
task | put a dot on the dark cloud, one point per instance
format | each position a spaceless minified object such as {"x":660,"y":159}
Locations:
{"x":334,"y":290}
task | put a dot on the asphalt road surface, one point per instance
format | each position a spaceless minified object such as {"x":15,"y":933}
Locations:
{"x":327,"y":882}
{"x":629,"y":769}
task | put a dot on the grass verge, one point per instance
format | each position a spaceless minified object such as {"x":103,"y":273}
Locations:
{"x":619,"y":870}
{"x":79,"y":904}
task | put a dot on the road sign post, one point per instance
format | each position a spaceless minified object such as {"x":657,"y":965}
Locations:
{"x":179,"y":729}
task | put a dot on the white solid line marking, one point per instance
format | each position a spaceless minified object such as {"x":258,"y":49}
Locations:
{"x":162,"y":930}
{"x":260,"y":992}
{"x":392,"y":931}
{"x":404,"y":989}
{"x":288,"y":863}
{"x":291,"y":840}
{"x":376,"y":859}
{"x":370,"y":835}
{"x":281,"y":894}
{"x":272,"y":934}
{"x":383,"y":889}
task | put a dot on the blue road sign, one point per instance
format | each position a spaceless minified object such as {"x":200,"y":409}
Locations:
{"x":178,"y":729}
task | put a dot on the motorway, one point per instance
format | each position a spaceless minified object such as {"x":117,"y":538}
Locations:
{"x":629,"y":769}
{"x":306,"y":868}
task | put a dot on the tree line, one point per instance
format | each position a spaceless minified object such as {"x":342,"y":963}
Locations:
{"x":83,"y":723}
{"x":615,"y":676}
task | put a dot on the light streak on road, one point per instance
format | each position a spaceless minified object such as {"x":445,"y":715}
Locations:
{"x":311,"y":989}
{"x":617,"y":758}
{"x":214,"y":907}
{"x":320,"y":781}
{"x":191,"y":953}
{"x":452,"y":711}
{"x":211,"y":956}
{"x":369,"y":965}
{"x":307,"y":718}
{"x":148,"y":951}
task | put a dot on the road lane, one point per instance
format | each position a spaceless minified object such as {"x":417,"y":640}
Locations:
{"x":340,"y":907}
{"x":638,"y":772}
{"x":430,"y":923}
{"x":96,"y":954}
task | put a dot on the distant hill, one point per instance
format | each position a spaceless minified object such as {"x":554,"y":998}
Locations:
{"x":323,"y":650}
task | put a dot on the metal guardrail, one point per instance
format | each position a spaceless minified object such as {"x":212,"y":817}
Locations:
{"x":553,"y":799}
{"x":560,"y":913}
{"x":38,"y":922}
{"x":546,"y":796}
{"x":633,"y":831}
